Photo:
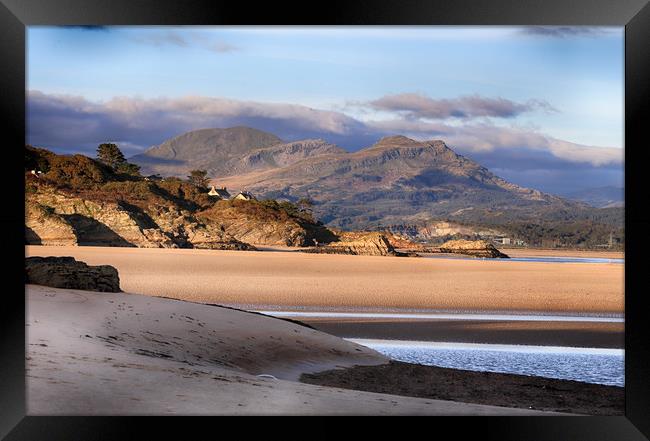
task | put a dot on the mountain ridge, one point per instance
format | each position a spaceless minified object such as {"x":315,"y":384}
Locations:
{"x":418,"y":172}
{"x":402,"y":181}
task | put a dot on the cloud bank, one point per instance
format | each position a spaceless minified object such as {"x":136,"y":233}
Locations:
{"x":73,"y":124}
{"x":412,"y":105}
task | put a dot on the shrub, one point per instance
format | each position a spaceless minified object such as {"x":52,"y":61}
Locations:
{"x":37,"y":159}
{"x":76,"y":172}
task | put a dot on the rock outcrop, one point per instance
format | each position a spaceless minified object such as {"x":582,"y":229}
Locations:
{"x":101,"y":223}
{"x":403,"y":243}
{"x":264,"y":223}
{"x":79,"y":201}
{"x":44,"y":227}
{"x":475,"y":248}
{"x":53,"y":217}
{"x":66,"y":272}
{"x":358,"y":243}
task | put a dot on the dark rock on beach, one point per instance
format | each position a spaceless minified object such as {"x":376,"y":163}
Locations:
{"x":66,"y":272}
{"x":358,"y":244}
{"x":475,"y":248}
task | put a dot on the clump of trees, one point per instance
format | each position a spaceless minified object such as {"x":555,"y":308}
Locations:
{"x":199,"y":178}
{"x":37,"y":159}
{"x":110,"y":155}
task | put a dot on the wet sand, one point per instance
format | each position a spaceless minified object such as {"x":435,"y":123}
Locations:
{"x":477,"y":387}
{"x":537,"y":333}
{"x":295,"y":279}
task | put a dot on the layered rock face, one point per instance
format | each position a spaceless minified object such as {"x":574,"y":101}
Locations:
{"x":44,"y":227}
{"x":55,"y":218}
{"x":358,"y":243}
{"x":476,"y":248}
{"x":66,"y":272}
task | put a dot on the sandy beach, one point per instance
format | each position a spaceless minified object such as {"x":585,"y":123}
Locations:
{"x":292,"y":279}
{"x":95,"y":353}
{"x":177,"y":355}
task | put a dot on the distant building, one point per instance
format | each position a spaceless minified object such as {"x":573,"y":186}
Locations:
{"x":502,"y":240}
{"x":222,"y":193}
{"x":155,"y":177}
{"x":244,"y":196}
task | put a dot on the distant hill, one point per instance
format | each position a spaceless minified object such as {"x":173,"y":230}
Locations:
{"x":395,"y":180}
{"x":224,"y":152}
{"x":601,"y":197}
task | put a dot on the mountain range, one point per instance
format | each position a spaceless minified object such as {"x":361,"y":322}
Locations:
{"x":396,"y":181}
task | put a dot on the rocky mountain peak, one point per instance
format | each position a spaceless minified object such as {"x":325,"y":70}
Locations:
{"x":395,"y":141}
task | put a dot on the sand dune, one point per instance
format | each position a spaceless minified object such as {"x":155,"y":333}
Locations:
{"x":255,"y":279}
{"x":101,"y":354}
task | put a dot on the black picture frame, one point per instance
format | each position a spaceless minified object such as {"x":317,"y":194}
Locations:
{"x":15,"y":15}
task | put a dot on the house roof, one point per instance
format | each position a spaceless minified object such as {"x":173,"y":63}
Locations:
{"x":221,"y":192}
{"x":245,"y":194}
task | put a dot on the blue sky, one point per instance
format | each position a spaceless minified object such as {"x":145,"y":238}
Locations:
{"x":535,"y":103}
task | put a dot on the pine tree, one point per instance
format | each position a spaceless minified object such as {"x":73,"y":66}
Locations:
{"x":110,"y":155}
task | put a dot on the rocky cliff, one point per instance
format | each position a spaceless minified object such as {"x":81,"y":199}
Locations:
{"x":44,"y":227}
{"x":54,"y":217}
{"x":77,"y":201}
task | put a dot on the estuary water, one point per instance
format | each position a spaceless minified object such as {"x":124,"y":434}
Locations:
{"x":590,"y":365}
{"x":547,"y":259}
